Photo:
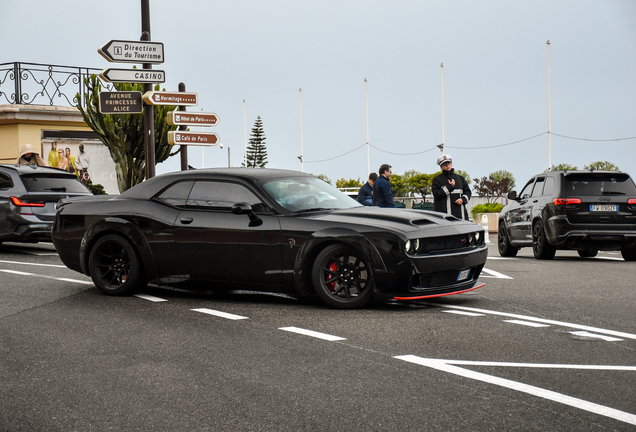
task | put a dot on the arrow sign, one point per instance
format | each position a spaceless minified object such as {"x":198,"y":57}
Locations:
{"x":171,"y":98}
{"x":132,"y":51}
{"x":133,"y":75}
{"x":178,"y":118}
{"x":193,"y":138}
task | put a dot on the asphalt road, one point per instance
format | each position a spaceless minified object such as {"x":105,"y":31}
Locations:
{"x":544,"y":346}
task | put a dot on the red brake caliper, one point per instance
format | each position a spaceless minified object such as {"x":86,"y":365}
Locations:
{"x":333,"y":267}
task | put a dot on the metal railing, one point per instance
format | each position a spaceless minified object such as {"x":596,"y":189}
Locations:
{"x":41,"y":84}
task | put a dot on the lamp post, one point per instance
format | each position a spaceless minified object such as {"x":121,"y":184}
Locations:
{"x":228,"y":150}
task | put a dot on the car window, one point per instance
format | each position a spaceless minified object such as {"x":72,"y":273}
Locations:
{"x":176,"y":194}
{"x":53,"y":183}
{"x":222,"y":195}
{"x":300,"y":194}
{"x":548,"y":188}
{"x":599,"y":184}
{"x":538,"y":187}
{"x":5,"y":181}
{"x":527,"y":190}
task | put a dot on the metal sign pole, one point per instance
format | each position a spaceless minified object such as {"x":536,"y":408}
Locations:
{"x":184,"y":148}
{"x":149,"y":112}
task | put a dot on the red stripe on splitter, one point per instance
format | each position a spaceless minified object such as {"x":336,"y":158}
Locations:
{"x":438,"y":295}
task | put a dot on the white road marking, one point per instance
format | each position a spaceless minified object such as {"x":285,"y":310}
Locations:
{"x":593,"y":335}
{"x":525,"y":388}
{"x":46,"y":277}
{"x":539,"y":365}
{"x":74,"y":280}
{"x":526,"y":323}
{"x":312,"y":333}
{"x":150,"y":298}
{"x":500,"y":258}
{"x":220,"y":314}
{"x":17,"y":272}
{"x":494,"y":274}
{"x":541,"y":320}
{"x":33,"y":264}
{"x":456,"y":312}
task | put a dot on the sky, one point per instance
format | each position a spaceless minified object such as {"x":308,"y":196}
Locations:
{"x":248,"y":58}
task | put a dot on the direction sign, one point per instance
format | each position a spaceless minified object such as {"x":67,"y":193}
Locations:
{"x":120,"y":102}
{"x":171,"y":98}
{"x":178,"y":118}
{"x":132,"y":51}
{"x":153,"y":76}
{"x":193,"y":138}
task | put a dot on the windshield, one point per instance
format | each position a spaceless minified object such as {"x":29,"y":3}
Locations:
{"x":53,"y":183}
{"x":300,"y":194}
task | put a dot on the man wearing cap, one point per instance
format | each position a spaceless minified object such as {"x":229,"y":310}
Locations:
{"x":450,"y":191}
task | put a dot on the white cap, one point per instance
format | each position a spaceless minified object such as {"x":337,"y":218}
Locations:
{"x":443,"y":159}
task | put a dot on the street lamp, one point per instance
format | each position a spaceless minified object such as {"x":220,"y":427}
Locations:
{"x":228,"y":149}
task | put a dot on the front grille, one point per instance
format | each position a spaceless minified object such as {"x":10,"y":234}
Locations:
{"x":443,"y":278}
{"x":446,"y":243}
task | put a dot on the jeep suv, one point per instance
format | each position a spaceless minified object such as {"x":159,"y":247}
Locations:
{"x":586,"y":211}
{"x":28,"y":199}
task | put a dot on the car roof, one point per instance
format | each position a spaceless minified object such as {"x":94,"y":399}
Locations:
{"x":579,"y":172}
{"x":31,"y":168}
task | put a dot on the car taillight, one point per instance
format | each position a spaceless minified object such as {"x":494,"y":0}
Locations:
{"x":566,"y":201}
{"x":19,"y":203}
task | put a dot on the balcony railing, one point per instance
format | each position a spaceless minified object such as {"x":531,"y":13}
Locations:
{"x":40,"y":84}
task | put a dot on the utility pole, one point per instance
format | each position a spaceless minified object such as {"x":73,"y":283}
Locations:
{"x":149,"y":111}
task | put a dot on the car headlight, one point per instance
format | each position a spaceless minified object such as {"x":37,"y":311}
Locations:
{"x":407,"y":246}
{"x":416,"y":244}
{"x":478,"y":237}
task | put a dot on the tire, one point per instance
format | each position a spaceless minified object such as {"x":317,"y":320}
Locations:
{"x":540,"y":246}
{"x":115,"y":266}
{"x":629,"y":254}
{"x":503,"y":243}
{"x":342,"y":277}
{"x":588,"y":253}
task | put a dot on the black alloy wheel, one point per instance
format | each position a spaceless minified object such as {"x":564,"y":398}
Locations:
{"x":588,"y":253}
{"x":629,"y":254}
{"x":503,"y":243}
{"x":540,"y":246}
{"x":342,"y":277}
{"x":115,"y":266}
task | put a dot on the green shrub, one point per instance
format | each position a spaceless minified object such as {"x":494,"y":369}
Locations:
{"x":97,"y":189}
{"x":487,"y":208}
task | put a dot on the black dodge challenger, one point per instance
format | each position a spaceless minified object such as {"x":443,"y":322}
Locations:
{"x":266,"y":230}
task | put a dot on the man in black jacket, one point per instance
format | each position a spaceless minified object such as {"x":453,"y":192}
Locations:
{"x":365,"y":194}
{"x":382,"y":194}
{"x":450,"y":191}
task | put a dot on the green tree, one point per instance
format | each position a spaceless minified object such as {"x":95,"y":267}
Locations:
{"x":502,"y":174}
{"x":256,"y":151}
{"x":398,"y":186}
{"x":351,"y":183}
{"x":491,"y":187}
{"x":421,"y":184}
{"x":324,"y":178}
{"x":123,"y":134}
{"x":601,"y":166}
{"x":562,"y":167}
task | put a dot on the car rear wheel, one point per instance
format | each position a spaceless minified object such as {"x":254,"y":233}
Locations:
{"x":540,"y":246}
{"x":588,"y":253}
{"x":629,"y":254}
{"x":505,"y":248}
{"x":115,"y":266}
{"x":342,"y":277}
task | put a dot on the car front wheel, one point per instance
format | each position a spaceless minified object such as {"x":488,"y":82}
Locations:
{"x":342,"y":277}
{"x":505,"y":248}
{"x":540,"y":246}
{"x":115,"y":266}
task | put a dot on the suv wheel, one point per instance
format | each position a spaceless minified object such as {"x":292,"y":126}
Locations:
{"x":629,"y":254}
{"x":540,"y":246}
{"x":503,"y":244}
{"x":588,"y":253}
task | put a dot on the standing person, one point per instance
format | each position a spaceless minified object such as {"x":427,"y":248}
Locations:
{"x":82,"y":164}
{"x":54,"y":157}
{"x":71,"y":161}
{"x":450,"y":191}
{"x":382,"y":194}
{"x":63,"y":161}
{"x":365,"y":194}
{"x":29,"y":156}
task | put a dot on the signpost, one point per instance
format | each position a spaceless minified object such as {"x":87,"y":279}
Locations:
{"x":153,"y":76}
{"x":120,"y":102}
{"x":193,"y":138}
{"x":123,"y":51}
{"x":183,"y":118}
{"x":170,"y":98}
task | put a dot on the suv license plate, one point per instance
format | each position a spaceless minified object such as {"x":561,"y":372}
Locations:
{"x":463,"y":275}
{"x":603,"y":207}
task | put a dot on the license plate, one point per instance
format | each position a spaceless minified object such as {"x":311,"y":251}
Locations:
{"x":603,"y":207}
{"x":463,"y":275}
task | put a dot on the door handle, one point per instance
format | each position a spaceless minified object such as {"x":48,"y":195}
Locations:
{"x":186,"y":220}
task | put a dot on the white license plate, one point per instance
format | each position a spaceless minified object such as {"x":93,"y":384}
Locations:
{"x":603,"y":207}
{"x":463,"y":275}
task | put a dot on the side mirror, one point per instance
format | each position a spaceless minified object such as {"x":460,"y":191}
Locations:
{"x":512,"y":195}
{"x":245,"y":208}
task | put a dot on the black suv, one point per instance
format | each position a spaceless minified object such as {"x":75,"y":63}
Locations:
{"x":28,"y":199}
{"x":585,"y":211}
